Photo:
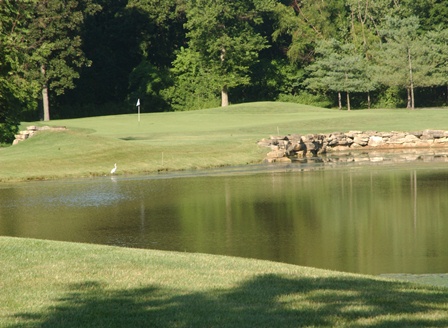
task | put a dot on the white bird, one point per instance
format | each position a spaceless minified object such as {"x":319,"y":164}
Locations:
{"x":114,"y":169}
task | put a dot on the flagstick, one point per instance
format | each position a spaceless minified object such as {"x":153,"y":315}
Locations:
{"x":138,"y":106}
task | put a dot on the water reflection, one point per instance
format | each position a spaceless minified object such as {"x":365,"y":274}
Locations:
{"x":357,"y":219}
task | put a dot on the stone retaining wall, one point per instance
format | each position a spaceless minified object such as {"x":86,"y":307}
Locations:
{"x":286,"y":148}
{"x":32,"y":130}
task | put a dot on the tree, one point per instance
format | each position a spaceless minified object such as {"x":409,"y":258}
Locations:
{"x":339,"y":68}
{"x":308,"y":22}
{"x":432,"y":13}
{"x":222,"y":33}
{"x":146,"y":82}
{"x":160,"y":40}
{"x":162,"y":33}
{"x":16,"y":92}
{"x":191,"y":87}
{"x":436,"y":54}
{"x":402,"y":59}
{"x":54,"y":45}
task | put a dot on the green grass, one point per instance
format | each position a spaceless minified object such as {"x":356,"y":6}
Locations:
{"x":54,"y":284}
{"x":187,"y":140}
{"x":57,"y":284}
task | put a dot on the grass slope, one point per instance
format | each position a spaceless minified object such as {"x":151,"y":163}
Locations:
{"x":187,"y":140}
{"x":56,"y":284}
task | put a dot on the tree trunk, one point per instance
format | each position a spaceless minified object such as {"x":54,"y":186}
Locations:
{"x":348,"y":100}
{"x":411,"y":81}
{"x":224,"y":92}
{"x":45,"y":100}
{"x":339,"y":100}
{"x":408,"y":105}
{"x":224,"y":97}
{"x":348,"y":93}
{"x":46,"y":103}
{"x":369,"y":102}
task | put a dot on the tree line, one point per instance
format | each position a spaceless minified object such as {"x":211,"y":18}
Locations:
{"x":72,"y":58}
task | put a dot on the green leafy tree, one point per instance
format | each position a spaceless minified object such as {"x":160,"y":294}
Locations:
{"x":54,"y":45}
{"x":146,"y":83}
{"x":160,"y":40}
{"x":17,"y":93}
{"x":365,"y":18}
{"x":432,"y":13}
{"x":112,"y":40}
{"x":223,"y":34}
{"x":191,"y":87}
{"x":163,"y":32}
{"x":310,"y":21}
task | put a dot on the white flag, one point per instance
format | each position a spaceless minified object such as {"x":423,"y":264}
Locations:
{"x":138,"y":102}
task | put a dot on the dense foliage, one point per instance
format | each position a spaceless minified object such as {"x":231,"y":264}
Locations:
{"x":96,"y":57}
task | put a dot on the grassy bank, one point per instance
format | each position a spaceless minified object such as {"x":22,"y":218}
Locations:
{"x":55,"y":284}
{"x":187,"y":140}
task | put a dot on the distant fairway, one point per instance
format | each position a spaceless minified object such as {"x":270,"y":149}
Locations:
{"x":187,"y":140}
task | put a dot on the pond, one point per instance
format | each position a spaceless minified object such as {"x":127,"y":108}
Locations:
{"x":369,"y":219}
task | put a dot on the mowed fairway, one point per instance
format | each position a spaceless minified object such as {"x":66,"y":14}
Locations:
{"x":56,"y":284}
{"x":187,"y":140}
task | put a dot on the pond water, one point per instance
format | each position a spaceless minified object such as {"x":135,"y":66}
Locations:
{"x":366,"y":219}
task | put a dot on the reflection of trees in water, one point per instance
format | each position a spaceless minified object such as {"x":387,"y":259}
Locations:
{"x":414,"y":195}
{"x":368,"y":219}
{"x":394,"y":218}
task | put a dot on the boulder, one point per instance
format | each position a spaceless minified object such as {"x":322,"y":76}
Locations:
{"x":375,"y":141}
{"x":410,"y":138}
{"x":441,"y":140}
{"x":276,"y":154}
{"x":361,"y":139}
{"x":434,"y":133}
{"x":283,"y":160}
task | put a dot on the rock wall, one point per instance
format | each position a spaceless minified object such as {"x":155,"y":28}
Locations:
{"x":287,"y":148}
{"x":32,"y":130}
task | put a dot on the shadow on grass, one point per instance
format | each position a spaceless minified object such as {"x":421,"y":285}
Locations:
{"x":265,"y":301}
{"x":134,"y":138}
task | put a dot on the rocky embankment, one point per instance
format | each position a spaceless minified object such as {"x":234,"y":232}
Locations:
{"x":32,"y":130}
{"x":296,"y":146}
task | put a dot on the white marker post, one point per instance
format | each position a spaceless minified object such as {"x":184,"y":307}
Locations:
{"x":138,"y":106}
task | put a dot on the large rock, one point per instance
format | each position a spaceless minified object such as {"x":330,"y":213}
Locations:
{"x":434,"y":133}
{"x":375,"y":141}
{"x":361,"y":139}
{"x":276,"y":154}
{"x":441,"y":140}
